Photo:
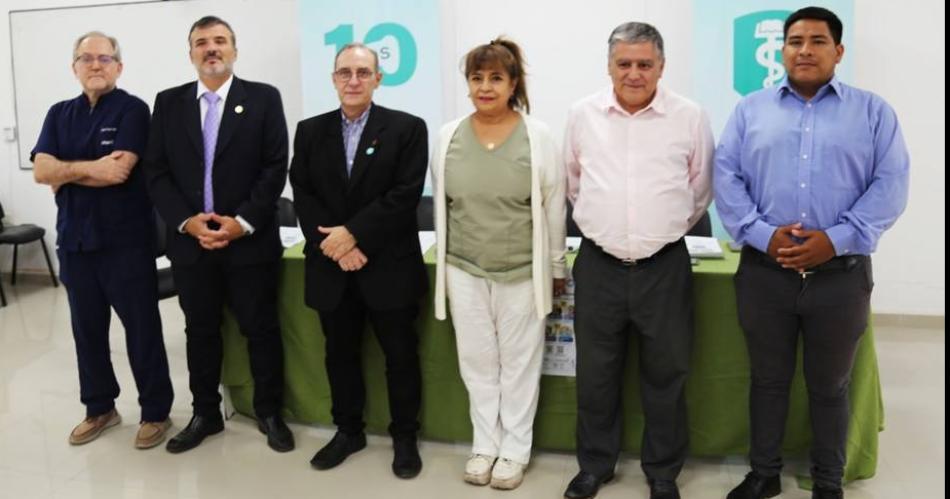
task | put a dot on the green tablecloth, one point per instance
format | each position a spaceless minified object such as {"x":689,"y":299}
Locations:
{"x":717,"y":389}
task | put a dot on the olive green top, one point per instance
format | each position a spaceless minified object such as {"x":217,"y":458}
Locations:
{"x":488,"y":203}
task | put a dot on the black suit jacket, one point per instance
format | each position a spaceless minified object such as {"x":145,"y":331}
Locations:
{"x":377,"y":204}
{"x":250,"y":167}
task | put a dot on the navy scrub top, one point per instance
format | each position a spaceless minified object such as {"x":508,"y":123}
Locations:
{"x":95,"y":218}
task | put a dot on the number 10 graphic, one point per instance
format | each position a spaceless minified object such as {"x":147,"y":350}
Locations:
{"x":405,"y":44}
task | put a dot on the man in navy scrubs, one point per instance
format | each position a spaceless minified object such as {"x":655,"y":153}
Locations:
{"x":87,"y":152}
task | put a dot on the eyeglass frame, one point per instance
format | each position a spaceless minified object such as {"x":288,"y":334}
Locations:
{"x":89,"y":59}
{"x":344,"y":75}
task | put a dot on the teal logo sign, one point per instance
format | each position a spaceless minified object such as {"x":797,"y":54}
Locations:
{"x":392,"y":41}
{"x":757,"y":50}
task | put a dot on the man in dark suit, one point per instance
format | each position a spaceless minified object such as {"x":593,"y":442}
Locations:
{"x":217,"y":163}
{"x":357,"y":175}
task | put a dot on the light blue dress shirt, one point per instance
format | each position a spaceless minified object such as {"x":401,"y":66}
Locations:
{"x":352,"y":131}
{"x":836,"y":163}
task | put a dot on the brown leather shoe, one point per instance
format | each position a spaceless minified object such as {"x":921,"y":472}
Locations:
{"x":151,"y":433}
{"x":91,"y":428}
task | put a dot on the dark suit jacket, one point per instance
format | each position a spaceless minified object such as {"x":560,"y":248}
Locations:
{"x":250,"y":167}
{"x":377,"y":204}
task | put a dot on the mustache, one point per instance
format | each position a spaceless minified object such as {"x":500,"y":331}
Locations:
{"x":212,"y":55}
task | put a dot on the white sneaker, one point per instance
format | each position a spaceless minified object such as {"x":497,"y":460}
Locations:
{"x":478,"y":469}
{"x":507,"y":474}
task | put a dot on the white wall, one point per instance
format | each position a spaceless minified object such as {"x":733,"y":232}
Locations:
{"x":898,"y":53}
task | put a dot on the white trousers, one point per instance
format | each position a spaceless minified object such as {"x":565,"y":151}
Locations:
{"x":500,"y":343}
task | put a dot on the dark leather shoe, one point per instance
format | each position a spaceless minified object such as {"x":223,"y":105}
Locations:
{"x":663,"y":489}
{"x":341,"y":446}
{"x":756,"y":486}
{"x":192,"y":435}
{"x":279,"y":436}
{"x":823,"y":493}
{"x":585,"y":485}
{"x":406,"y":460}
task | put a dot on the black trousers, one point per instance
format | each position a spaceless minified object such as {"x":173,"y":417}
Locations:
{"x":829,"y":308}
{"x":652,"y":303}
{"x":396,"y":332}
{"x":122,"y":279}
{"x":250,"y":292}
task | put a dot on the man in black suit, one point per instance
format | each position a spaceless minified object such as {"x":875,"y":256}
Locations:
{"x":216,"y":164}
{"x":357,"y":175}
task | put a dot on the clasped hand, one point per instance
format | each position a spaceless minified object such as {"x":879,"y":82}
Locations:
{"x":339,"y":245}
{"x":799,"y":249}
{"x":210,"y":239}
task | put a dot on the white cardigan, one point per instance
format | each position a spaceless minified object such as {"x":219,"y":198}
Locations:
{"x":548,"y":215}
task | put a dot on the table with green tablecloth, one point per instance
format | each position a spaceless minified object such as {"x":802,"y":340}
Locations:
{"x":717,"y":388}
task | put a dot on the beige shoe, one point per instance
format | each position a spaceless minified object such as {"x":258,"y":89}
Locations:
{"x":478,"y":469}
{"x":91,"y":428}
{"x":507,"y":474}
{"x":151,"y":433}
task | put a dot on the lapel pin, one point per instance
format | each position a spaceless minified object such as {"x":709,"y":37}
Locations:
{"x":371,"y":149}
{"x":239,"y":109}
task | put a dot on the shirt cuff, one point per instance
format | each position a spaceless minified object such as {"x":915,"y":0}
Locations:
{"x":248,"y":228}
{"x":842,"y":237}
{"x":759,"y":235}
{"x":181,"y":226}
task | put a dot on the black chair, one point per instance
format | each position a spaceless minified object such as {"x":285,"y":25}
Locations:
{"x":424,"y":217}
{"x":572,"y":229}
{"x":703,"y":227}
{"x":22,"y":234}
{"x":286,"y":216}
{"x":166,"y":283}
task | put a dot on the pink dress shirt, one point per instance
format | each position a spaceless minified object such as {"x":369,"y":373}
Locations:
{"x":637,"y":181}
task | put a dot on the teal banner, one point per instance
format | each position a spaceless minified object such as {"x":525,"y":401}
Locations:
{"x":404,"y":34}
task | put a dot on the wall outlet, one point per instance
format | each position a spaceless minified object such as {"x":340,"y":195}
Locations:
{"x":9,"y":133}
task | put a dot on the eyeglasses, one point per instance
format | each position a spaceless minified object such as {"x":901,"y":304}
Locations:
{"x":103,"y":59}
{"x":346,"y":74}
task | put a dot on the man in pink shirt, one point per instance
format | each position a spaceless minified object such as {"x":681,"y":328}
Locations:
{"x":638,"y":159}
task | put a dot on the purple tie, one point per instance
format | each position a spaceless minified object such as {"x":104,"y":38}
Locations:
{"x":210,"y":132}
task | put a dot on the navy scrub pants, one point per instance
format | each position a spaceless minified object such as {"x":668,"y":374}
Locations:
{"x":123,"y":279}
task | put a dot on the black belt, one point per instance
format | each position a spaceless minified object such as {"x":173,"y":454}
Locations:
{"x":839,"y":263}
{"x":629,"y":262}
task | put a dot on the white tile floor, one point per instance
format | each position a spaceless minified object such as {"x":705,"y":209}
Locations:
{"x":39,"y":405}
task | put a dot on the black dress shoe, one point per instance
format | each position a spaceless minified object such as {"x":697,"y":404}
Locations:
{"x":823,"y":493}
{"x":406,"y":460}
{"x":664,"y":489}
{"x":279,"y":436}
{"x":191,"y":436}
{"x":756,"y":486}
{"x":337,"y":450}
{"x":585,"y":485}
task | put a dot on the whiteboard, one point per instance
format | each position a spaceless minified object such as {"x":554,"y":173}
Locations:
{"x":153,"y":37}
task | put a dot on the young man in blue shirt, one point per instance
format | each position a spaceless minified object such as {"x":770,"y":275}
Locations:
{"x":808,"y":175}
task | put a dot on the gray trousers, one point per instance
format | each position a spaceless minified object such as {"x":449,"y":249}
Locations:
{"x":829,"y":308}
{"x":650,"y":302}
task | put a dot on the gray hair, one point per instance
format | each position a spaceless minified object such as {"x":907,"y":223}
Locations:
{"x":357,"y":45}
{"x":634,"y":32}
{"x":98,"y":34}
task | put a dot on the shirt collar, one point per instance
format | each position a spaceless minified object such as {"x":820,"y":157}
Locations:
{"x":102,"y":98}
{"x":608,"y":101}
{"x":833,"y":86}
{"x":222,"y":91}
{"x":358,"y":121}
